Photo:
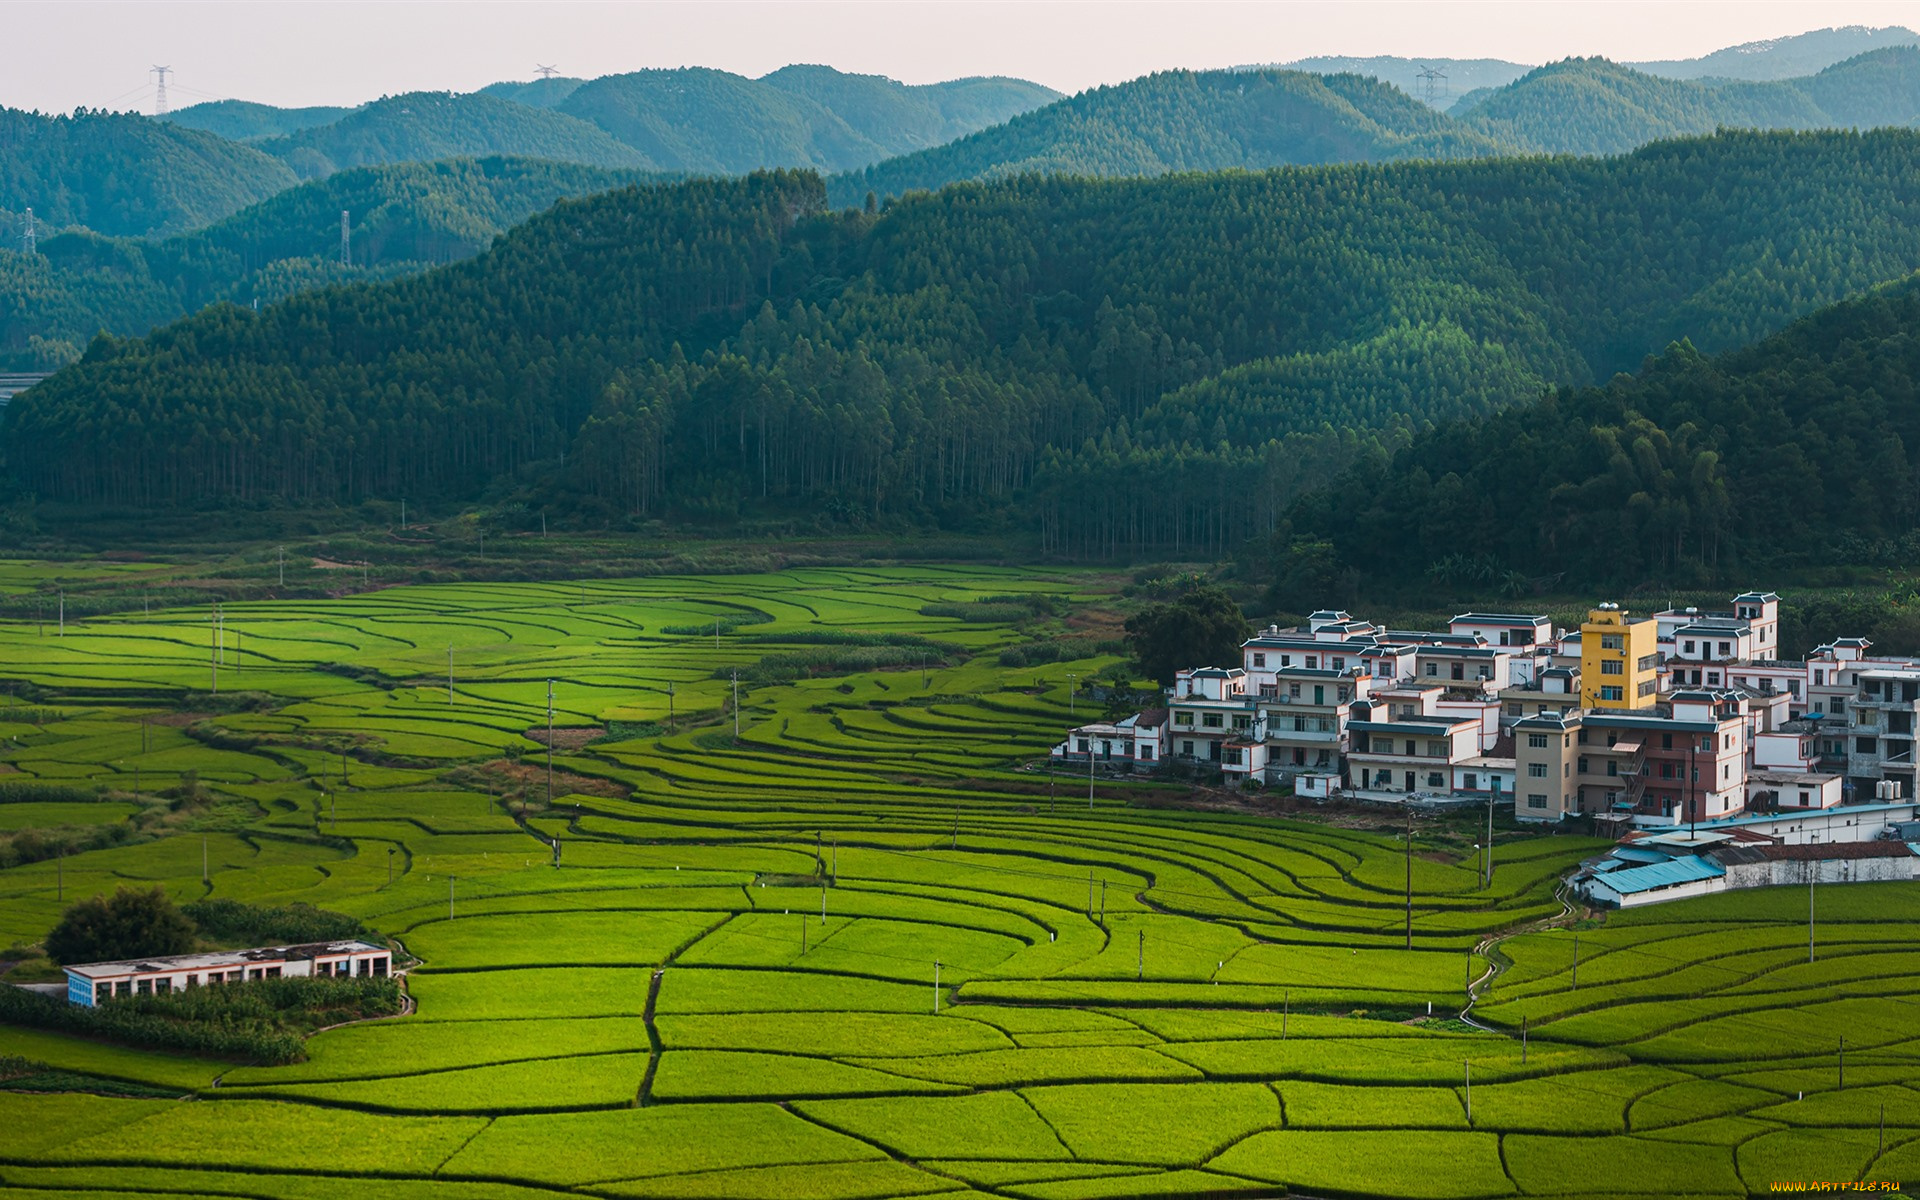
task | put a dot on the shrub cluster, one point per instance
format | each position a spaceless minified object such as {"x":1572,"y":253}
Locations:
{"x":1032,"y":654}
{"x":232,"y":921}
{"x":727,"y":624}
{"x":45,"y":793}
{"x":776,"y":668}
{"x":39,"y":845}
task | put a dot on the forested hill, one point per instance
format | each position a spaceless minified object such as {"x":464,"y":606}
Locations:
{"x":124,"y":175}
{"x":422,"y":126}
{"x":1188,"y":121}
{"x":1799,"y":450}
{"x":245,"y":121}
{"x":404,"y":218}
{"x":1592,"y":106}
{"x":1132,"y":364}
{"x":695,"y":119}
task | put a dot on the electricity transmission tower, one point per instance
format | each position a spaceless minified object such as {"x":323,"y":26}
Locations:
{"x":346,"y":240}
{"x":27,"y":242}
{"x":546,"y":72}
{"x":1433,"y":86}
{"x":160,"y":91}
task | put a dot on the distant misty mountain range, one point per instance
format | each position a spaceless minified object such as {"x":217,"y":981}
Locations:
{"x":1467,"y":79}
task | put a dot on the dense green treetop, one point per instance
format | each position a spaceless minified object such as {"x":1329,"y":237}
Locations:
{"x":128,"y":924}
{"x":1800,"y":449}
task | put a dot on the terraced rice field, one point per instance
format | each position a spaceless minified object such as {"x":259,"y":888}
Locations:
{"x":862,"y":951}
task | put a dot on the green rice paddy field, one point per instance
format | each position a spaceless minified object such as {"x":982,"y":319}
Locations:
{"x":727,"y":985}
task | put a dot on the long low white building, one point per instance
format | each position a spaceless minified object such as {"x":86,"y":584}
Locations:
{"x":90,"y":983}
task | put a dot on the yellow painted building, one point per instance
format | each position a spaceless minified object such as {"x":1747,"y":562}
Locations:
{"x":1619,"y":659}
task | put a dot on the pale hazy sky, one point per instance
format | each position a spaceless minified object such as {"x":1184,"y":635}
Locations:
{"x":59,"y":54}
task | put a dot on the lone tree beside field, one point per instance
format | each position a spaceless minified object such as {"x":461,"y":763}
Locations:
{"x":128,"y":924}
{"x":1201,"y":627}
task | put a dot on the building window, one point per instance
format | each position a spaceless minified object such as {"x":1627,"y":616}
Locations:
{"x":1613,"y":768}
{"x":1259,"y":660}
{"x":1186,"y":748}
{"x":1146,"y":753}
{"x":1211,"y":720}
{"x":1610,"y":693}
{"x":1648,"y":662}
{"x":1612,"y":641}
{"x":1583,"y":764}
{"x":1339,"y":664}
{"x":1647,"y":688}
{"x":1232,"y":756}
{"x":1537,"y":741}
{"x":1286,"y":660}
{"x":1433,"y":669}
{"x":1513,"y":710}
{"x":1435,"y":779}
{"x":1613,"y":666}
{"x":1726,"y":648}
{"x":1666,"y":741}
{"x":1293,"y":690}
{"x":1686,"y":647}
{"x":1536,"y":800}
{"x":1183,"y":718}
{"x":1537,"y":770}
{"x":1313,"y":661}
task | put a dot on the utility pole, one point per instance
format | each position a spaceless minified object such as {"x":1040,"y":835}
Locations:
{"x":213,"y":651}
{"x":449,"y":897}
{"x":60,"y":897}
{"x":736,"y":705}
{"x":160,"y":91}
{"x":283,"y":566}
{"x":1070,"y":679}
{"x":1492,"y":795}
{"x":1843,"y":1065}
{"x":544,"y":72}
{"x":549,"y":743}
{"x":449,"y":674}
{"x":669,"y":704}
{"x":204,"y":876}
{"x":63,"y":612}
{"x":1813,"y":868}
{"x":1576,"y":960}
{"x":346,"y":240}
{"x":1409,"y":876}
{"x":1467,"y":1066}
{"x":1089,"y":773}
{"x":936,"y":987}
{"x":1140,"y":958}
{"x":389,"y":866}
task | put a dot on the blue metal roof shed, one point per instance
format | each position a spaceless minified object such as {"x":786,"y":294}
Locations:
{"x":1662,"y":875}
